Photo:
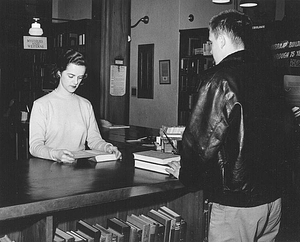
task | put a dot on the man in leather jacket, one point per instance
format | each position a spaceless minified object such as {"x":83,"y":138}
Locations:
{"x":234,"y":145}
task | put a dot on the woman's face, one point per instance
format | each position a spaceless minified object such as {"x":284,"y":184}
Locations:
{"x":71,"y":77}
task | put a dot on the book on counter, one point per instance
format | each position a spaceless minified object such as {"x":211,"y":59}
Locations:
{"x":120,"y":226}
{"x":88,"y":229}
{"x":62,"y":234}
{"x":95,"y":155}
{"x":151,"y":166}
{"x":156,"y":156}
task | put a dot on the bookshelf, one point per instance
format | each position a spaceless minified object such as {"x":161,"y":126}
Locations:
{"x":193,"y":61}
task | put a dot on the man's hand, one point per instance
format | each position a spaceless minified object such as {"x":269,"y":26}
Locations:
{"x":174,"y":168}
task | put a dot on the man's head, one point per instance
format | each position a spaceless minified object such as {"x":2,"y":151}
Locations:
{"x":228,"y":33}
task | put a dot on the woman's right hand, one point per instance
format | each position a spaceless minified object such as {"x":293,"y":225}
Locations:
{"x":62,"y":155}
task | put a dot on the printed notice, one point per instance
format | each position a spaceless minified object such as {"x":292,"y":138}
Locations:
{"x":117,"y":80}
{"x":36,"y":43}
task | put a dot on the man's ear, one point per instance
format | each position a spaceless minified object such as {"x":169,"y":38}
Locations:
{"x":221,"y":41}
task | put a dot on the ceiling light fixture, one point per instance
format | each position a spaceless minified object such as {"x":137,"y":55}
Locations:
{"x":248,"y":3}
{"x":220,"y":1}
{"x":36,"y":29}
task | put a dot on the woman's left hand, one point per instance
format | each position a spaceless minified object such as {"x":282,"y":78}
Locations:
{"x":113,"y":149}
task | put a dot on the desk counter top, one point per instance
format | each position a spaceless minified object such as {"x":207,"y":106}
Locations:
{"x":37,"y":186}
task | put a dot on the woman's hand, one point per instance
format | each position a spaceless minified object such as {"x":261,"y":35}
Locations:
{"x":174,"y":168}
{"x":113,"y":149}
{"x":62,"y":155}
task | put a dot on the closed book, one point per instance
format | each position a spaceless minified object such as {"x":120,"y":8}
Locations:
{"x":145,"y":227}
{"x":63,"y":234}
{"x":116,"y":236}
{"x":56,"y":239}
{"x":163,"y":220}
{"x":105,"y":157}
{"x":76,"y":236}
{"x":151,"y":166}
{"x":135,"y":233}
{"x":105,"y":234}
{"x":88,"y":229}
{"x":153,"y":228}
{"x":172,"y":226}
{"x":159,"y":234}
{"x":177,"y":218}
{"x":155,"y":156}
{"x":120,"y":226}
{"x":84,"y":235}
{"x":95,"y":155}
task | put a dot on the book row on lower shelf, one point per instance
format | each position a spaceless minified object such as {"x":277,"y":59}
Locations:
{"x":158,"y":225}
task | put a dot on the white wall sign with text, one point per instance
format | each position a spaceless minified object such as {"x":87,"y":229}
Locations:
{"x":117,"y":80}
{"x":35,"y":43}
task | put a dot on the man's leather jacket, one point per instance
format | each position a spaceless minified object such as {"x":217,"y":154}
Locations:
{"x":235,"y":144}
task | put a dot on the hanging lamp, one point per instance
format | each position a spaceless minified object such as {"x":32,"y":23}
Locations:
{"x":248,"y":3}
{"x":36,"y":29}
{"x":220,"y":1}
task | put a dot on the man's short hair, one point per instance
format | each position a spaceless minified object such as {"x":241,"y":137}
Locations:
{"x":235,"y":24}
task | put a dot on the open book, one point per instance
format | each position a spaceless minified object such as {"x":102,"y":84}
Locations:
{"x":97,"y":155}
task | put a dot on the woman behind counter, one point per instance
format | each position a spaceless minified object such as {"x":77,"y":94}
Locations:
{"x":62,"y":121}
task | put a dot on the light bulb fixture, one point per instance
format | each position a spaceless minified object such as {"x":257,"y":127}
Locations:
{"x":220,"y":1}
{"x":144,"y":19}
{"x":36,"y":29}
{"x":248,"y":3}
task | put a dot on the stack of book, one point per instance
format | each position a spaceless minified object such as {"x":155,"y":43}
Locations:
{"x":153,"y":160}
{"x":161,"y":225}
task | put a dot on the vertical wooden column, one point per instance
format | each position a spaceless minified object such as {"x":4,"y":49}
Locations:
{"x":114,"y":16}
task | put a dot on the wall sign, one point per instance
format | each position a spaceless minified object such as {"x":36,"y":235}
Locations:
{"x":117,"y":80}
{"x":35,"y":43}
{"x":164,"y":72}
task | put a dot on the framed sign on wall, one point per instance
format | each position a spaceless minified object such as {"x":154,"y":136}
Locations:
{"x":164,"y":72}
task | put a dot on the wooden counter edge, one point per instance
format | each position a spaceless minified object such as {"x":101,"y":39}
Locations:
{"x":84,"y":200}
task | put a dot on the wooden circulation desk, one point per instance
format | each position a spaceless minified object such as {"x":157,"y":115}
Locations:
{"x":37,"y":195}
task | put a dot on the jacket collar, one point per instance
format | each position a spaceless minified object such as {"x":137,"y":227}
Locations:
{"x":242,"y":55}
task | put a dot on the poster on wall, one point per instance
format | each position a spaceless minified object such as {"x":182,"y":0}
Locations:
{"x":117,"y":80}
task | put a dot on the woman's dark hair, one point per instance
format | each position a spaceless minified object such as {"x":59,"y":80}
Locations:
{"x":69,"y":57}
